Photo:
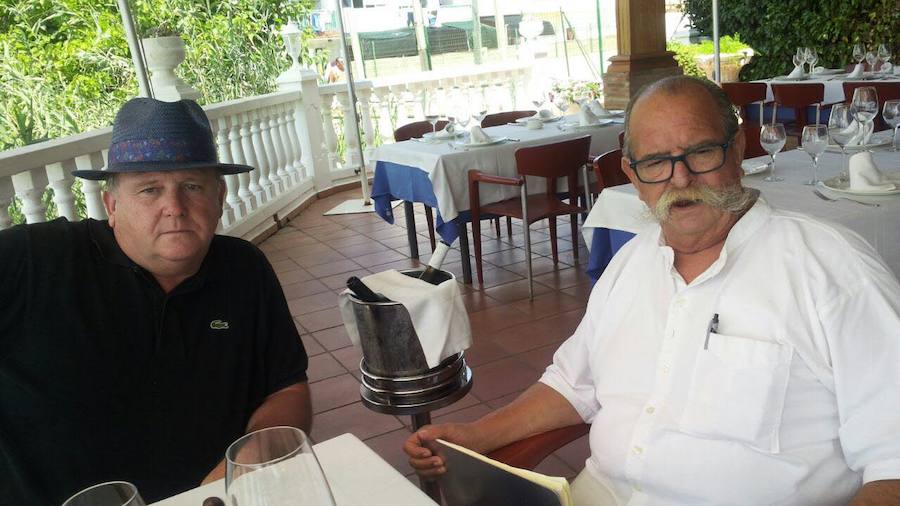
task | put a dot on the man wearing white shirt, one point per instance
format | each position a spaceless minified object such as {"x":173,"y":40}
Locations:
{"x":731,"y":353}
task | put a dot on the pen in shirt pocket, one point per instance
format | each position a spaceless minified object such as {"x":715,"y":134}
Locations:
{"x":712,"y":327}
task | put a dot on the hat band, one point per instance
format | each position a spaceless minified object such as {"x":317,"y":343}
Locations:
{"x":173,"y":150}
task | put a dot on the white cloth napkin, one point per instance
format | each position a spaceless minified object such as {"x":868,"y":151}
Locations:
{"x":478,"y":135}
{"x":818,"y":70}
{"x":857,"y":71}
{"x":861,"y":133}
{"x":447,"y":131}
{"x":437,"y":312}
{"x":598,"y":109}
{"x":586,"y":116}
{"x":864,"y":174}
{"x":887,"y":67}
{"x":544,"y":114}
{"x":797,"y":72}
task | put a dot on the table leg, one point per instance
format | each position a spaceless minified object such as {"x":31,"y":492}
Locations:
{"x":411,"y":229}
{"x":464,"y":253}
{"x":430,"y":487}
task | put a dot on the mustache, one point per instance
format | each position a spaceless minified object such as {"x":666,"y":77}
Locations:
{"x":732,"y":198}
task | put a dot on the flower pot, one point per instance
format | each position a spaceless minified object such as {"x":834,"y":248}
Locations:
{"x":731,"y":64}
{"x":162,"y":55}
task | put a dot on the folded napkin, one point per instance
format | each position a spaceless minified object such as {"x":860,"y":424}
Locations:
{"x":797,"y":72}
{"x":437,"y":312}
{"x":478,"y":135}
{"x":586,"y":116}
{"x":544,"y":114}
{"x":447,"y":131}
{"x":887,"y":67}
{"x":864,"y":174}
{"x":896,"y":70}
{"x":598,"y":109}
{"x":818,"y":70}
{"x":861,"y":133}
{"x":857,"y":71}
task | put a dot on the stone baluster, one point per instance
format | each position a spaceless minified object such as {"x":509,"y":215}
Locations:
{"x":61,"y":181}
{"x":29,"y":186}
{"x":389,"y":111}
{"x":282,"y":147}
{"x":262,"y":157}
{"x":328,"y":127}
{"x":234,"y":207}
{"x":296,"y":152}
{"x":236,"y":146}
{"x":351,"y":155}
{"x":93,"y":201}
{"x":255,"y":195}
{"x":265,"y":127}
{"x":6,"y":195}
{"x":365,"y":117}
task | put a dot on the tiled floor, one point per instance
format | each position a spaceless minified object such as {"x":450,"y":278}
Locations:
{"x":514,"y":339}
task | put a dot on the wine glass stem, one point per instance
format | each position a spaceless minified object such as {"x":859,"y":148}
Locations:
{"x":772,"y":174}
{"x":844,"y":169}
{"x":894,"y":138}
{"x":815,"y":175}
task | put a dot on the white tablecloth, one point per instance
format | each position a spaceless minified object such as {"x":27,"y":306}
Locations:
{"x":619,"y":207}
{"x":447,"y":167}
{"x":834,"y":87}
{"x":357,"y":475}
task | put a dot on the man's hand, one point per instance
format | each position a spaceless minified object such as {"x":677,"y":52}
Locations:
{"x":878,"y":493}
{"x":420,"y":446}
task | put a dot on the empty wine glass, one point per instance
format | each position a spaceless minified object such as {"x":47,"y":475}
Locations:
{"x":814,"y":138}
{"x":433,"y":115}
{"x":811,"y":57}
{"x":479,"y":115}
{"x":274,"y":466}
{"x":871,"y":59}
{"x":799,"y":57}
{"x":884,"y":54}
{"x":864,"y":106}
{"x":772,"y":138}
{"x":112,"y":493}
{"x":841,"y":131}
{"x":859,"y":53}
{"x":891,"y":115}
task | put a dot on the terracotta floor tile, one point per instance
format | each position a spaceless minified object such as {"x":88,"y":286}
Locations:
{"x":400,"y":265}
{"x":582,"y":291}
{"x":312,"y":303}
{"x":372,"y":260}
{"x":334,"y":392}
{"x":478,"y":301}
{"x":541,"y":357}
{"x":499,"y":402}
{"x":311,"y":346}
{"x":275,"y":255}
{"x":505,"y":257}
{"x":284,"y":265}
{"x":516,"y":290}
{"x":502,"y":377}
{"x":333,"y":338}
{"x":332,"y":268}
{"x":545,"y":248}
{"x":355,"y":419}
{"x":303,"y":288}
{"x":323,"y":366}
{"x":350,"y":240}
{"x":495,"y":277}
{"x":484,"y":351}
{"x":563,"y":278}
{"x":526,"y":337}
{"x":390,"y":447}
{"x":548,"y":304}
{"x":320,"y":320}
{"x":539,"y":265}
{"x":349,"y":357}
{"x":466,"y":402}
{"x":367,"y":248}
{"x":386,"y":233}
{"x":293,"y":276}
{"x":495,"y":318}
{"x":466,"y":415}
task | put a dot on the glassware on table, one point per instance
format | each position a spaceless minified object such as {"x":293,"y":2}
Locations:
{"x":840,"y":132}
{"x":884,"y":54}
{"x":859,"y":53}
{"x":479,"y":115}
{"x":891,"y":115}
{"x":811,"y":58}
{"x":772,"y":139}
{"x":111,"y":493}
{"x":864,"y":106}
{"x":814,"y":139}
{"x":274,"y":466}
{"x":871,"y":59}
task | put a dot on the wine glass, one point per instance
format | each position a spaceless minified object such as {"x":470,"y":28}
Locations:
{"x":479,"y":115}
{"x":864,"y":106}
{"x":274,"y":466}
{"x":840,"y":131}
{"x":772,"y":138}
{"x":871,"y":59}
{"x":814,"y":138}
{"x":432,"y":115}
{"x":859,"y":53}
{"x":111,"y":493}
{"x":799,"y":57}
{"x":891,"y":115}
{"x":811,"y":57}
{"x":884,"y":54}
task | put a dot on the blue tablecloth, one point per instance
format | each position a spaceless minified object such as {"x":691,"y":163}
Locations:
{"x":605,"y":243}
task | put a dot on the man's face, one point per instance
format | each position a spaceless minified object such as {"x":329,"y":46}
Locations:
{"x":165,"y":221}
{"x":664,"y":124}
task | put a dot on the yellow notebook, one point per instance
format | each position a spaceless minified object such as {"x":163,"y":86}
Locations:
{"x":473,"y":479}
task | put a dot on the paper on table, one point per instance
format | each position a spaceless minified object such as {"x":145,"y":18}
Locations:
{"x":437,"y":312}
{"x":857,"y":71}
{"x":865,"y":176}
{"x":586,"y":117}
{"x":797,"y":72}
{"x":478,"y":135}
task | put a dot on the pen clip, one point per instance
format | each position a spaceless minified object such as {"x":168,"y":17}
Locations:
{"x":712,"y":327}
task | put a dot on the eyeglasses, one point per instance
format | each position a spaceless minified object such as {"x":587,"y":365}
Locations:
{"x":698,"y":161}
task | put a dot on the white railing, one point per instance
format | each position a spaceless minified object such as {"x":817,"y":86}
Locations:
{"x":290,"y":137}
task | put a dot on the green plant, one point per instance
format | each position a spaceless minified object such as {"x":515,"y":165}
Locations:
{"x":685,"y":54}
{"x":775,"y":29}
{"x":574,"y":90}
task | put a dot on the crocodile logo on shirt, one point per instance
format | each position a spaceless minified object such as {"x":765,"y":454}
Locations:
{"x":218,"y":325}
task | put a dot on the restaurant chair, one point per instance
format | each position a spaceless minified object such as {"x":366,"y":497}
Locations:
{"x":550,"y":161}
{"x":502,"y":118}
{"x":607,"y":172}
{"x":799,"y":97}
{"x":742,"y":95}
{"x":415,"y":130}
{"x":622,"y":139}
{"x":886,"y":91}
{"x":531,"y":451}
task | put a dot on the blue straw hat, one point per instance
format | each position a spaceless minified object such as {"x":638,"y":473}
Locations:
{"x":151,"y":135}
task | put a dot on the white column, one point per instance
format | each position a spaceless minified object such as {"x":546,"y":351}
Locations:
{"x":285,"y":169}
{"x":351,"y":154}
{"x":308,"y":127}
{"x":262,"y":157}
{"x":61,"y":182}
{"x":91,"y":190}
{"x":363,"y":93}
{"x":29,"y":186}
{"x":6,"y":194}
{"x":296,"y":166}
{"x":255,"y":196}
{"x":242,"y":180}
{"x":388,"y":108}
{"x":330,"y":138}
{"x":265,"y":127}
{"x":233,"y":209}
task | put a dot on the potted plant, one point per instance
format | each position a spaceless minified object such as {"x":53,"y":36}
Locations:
{"x":570,"y":93}
{"x":164,"y":50}
{"x":698,"y":59}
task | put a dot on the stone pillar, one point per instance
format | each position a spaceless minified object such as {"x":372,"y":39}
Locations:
{"x":642,"y":57}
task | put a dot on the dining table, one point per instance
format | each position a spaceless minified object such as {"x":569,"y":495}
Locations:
{"x":618,"y":214}
{"x":436,"y":173}
{"x":356,"y":474}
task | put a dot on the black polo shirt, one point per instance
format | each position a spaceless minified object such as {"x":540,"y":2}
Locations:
{"x":103,"y":376}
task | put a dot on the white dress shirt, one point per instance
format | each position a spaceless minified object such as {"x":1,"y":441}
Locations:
{"x":793,"y":399}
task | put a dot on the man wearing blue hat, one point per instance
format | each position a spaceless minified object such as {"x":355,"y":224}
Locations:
{"x":139,"y":348}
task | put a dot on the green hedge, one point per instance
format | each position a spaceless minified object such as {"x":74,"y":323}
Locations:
{"x":775,"y":28}
{"x":685,"y":53}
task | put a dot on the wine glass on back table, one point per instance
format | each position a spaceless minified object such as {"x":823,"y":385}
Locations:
{"x":840,"y":132}
{"x":772,"y":138}
{"x":814,"y":139}
{"x":891,"y":115}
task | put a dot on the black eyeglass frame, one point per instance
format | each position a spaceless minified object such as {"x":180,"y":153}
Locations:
{"x":683,"y":159}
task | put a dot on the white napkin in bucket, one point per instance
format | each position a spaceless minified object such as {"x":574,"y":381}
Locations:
{"x":857,"y":71}
{"x":585,"y":116}
{"x":865,"y":176}
{"x":598,"y":109}
{"x":437,"y":312}
{"x":478,"y":135}
{"x":797,"y":72}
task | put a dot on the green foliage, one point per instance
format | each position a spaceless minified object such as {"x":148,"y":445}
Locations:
{"x":685,"y":53}
{"x":775,"y":28}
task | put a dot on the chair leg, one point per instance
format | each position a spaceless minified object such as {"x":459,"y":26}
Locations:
{"x":476,"y":236}
{"x":525,"y":225}
{"x":497,"y":226}
{"x":554,"y":248}
{"x":429,"y":219}
{"x":572,"y":218}
{"x":509,"y":227}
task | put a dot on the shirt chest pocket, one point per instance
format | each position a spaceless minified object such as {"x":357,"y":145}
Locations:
{"x":737,"y":391}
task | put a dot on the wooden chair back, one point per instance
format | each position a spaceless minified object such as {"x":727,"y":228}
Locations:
{"x":552,"y":161}
{"x":417,"y":129}
{"x":608,"y":169}
{"x":502,"y":118}
{"x":743,"y":94}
